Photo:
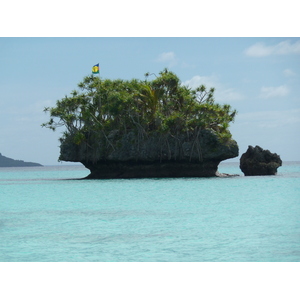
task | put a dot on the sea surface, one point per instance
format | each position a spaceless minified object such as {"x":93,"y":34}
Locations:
{"x":48,"y":215}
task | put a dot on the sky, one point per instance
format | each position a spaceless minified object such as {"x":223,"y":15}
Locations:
{"x":259,"y":77}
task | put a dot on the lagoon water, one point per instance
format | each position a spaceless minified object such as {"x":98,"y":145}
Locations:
{"x":46,"y":214}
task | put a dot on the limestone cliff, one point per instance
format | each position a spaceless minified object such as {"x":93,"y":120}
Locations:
{"x":154,"y":155}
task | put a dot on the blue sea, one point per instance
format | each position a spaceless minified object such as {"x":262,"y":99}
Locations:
{"x":48,"y":215}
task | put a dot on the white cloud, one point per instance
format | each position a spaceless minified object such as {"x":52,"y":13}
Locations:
{"x":222,"y":94}
{"x":270,"y":91}
{"x":208,"y":81}
{"x":282,"y":48}
{"x":229,"y":95}
{"x":289,"y":73}
{"x":167,"y":57}
{"x":258,"y":49}
{"x":171,"y":60}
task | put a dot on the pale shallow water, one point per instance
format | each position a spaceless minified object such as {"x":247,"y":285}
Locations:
{"x":46,"y":214}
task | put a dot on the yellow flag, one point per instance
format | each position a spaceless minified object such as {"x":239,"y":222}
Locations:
{"x":95,"y":69}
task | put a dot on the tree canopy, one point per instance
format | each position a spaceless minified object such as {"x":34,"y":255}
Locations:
{"x":162,"y":104}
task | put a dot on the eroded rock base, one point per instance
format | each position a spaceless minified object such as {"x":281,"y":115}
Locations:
{"x":113,"y":170}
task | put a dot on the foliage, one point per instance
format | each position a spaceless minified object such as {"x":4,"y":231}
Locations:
{"x":160,"y":105}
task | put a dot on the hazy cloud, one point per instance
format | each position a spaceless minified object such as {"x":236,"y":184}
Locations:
{"x":270,"y":91}
{"x":222,"y":94}
{"x":283,"y":48}
{"x":167,"y":57}
{"x":171,"y":60}
{"x":271,"y":119}
{"x":289,"y":73}
{"x":229,"y":95}
{"x":208,"y":81}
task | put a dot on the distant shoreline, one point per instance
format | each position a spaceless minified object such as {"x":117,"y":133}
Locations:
{"x":6,"y":162}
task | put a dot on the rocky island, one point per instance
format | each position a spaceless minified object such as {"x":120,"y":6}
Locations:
{"x":257,"y":161}
{"x":155,"y":156}
{"x":144,"y":129}
{"x":9,"y":162}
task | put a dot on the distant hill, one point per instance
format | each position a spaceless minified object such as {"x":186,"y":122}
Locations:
{"x":9,"y":162}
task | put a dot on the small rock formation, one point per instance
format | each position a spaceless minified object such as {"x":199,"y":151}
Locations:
{"x":256,"y":161}
{"x":154,"y":156}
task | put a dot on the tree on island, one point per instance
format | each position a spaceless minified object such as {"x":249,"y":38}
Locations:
{"x":161,"y":105}
{"x":102,"y":111}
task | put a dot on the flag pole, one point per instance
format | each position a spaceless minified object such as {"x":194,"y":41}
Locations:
{"x":96,"y":70}
{"x":99,"y":89}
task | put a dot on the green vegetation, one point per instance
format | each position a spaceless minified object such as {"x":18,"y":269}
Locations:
{"x":161,"y":105}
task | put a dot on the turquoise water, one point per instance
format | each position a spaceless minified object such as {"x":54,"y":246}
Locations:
{"x":48,"y":215}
